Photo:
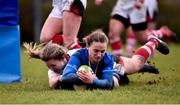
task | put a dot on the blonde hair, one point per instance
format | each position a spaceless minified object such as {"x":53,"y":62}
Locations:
{"x":96,"y":36}
{"x":45,"y":52}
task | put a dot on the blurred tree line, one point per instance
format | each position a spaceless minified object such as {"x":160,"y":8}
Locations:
{"x":95,"y":17}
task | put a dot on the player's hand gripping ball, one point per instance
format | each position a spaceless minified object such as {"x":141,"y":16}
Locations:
{"x":87,"y":69}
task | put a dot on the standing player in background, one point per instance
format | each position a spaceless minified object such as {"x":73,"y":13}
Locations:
{"x":152,"y":12}
{"x":127,"y":13}
{"x":133,"y":14}
{"x":65,"y":18}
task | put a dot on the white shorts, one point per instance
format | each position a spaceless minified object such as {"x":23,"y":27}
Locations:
{"x":128,"y":10}
{"x":119,"y":67}
{"x":63,"y":5}
{"x":152,"y":7}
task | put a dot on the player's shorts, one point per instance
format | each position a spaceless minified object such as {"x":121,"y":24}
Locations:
{"x":76,"y":6}
{"x":152,"y":10}
{"x":118,"y":67}
{"x":130,"y":16}
{"x":119,"y":74}
{"x":118,"y":71}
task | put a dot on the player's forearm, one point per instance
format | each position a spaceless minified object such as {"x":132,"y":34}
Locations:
{"x":71,"y":78}
{"x":103,"y":84}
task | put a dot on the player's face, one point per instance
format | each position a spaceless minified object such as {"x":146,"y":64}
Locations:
{"x":96,"y":51}
{"x":56,"y":65}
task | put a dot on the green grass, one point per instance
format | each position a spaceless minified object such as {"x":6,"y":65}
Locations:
{"x":163,"y":88}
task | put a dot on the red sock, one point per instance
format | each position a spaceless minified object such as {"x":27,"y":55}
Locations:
{"x":147,"y":49}
{"x":130,"y":44}
{"x":116,"y":48}
{"x":58,"y":39}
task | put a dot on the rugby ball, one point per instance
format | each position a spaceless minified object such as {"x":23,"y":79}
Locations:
{"x":85,"y":68}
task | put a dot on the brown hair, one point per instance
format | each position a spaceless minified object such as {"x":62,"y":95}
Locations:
{"x":96,"y":36}
{"x":53,"y":51}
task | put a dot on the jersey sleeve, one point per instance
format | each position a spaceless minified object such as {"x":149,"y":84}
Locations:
{"x":106,"y":82}
{"x":69,"y":74}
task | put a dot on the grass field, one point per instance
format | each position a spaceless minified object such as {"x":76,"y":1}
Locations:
{"x":163,"y":88}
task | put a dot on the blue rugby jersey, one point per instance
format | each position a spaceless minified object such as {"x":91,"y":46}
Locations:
{"x":104,"y":70}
